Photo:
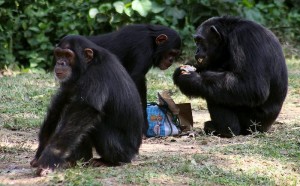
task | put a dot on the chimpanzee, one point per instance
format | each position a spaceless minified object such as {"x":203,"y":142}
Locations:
{"x":96,"y":105}
{"x":140,"y":47}
{"x":241,"y":72}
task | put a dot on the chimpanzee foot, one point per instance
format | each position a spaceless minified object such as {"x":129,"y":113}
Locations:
{"x":34,"y":163}
{"x":209,"y":128}
{"x":99,"y":162}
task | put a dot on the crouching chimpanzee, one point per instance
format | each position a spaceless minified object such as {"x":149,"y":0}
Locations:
{"x":241,"y":72}
{"x":140,"y":47}
{"x":97,"y":105}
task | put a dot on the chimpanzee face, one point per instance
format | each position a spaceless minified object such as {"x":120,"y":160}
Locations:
{"x":65,"y":63}
{"x":64,"y":59}
{"x":168,"y":58}
{"x":207,"y":40}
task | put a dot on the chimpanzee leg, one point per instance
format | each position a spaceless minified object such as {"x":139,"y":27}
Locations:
{"x":75,"y":124}
{"x":224,"y":121}
{"x":113,"y":145}
{"x":257,"y":119}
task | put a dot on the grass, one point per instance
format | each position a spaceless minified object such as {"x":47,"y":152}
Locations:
{"x":259,"y":159}
{"x":169,"y":170}
{"x":24,"y":99}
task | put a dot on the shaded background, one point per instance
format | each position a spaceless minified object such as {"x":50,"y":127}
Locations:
{"x":30,"y":29}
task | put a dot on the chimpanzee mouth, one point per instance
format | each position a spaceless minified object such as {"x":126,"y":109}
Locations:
{"x":59,"y":75}
{"x":200,"y":60}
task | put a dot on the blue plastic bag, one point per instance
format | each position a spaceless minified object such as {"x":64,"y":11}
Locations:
{"x":160,"y":123}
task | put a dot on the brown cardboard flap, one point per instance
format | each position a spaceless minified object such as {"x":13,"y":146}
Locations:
{"x":185,"y":115}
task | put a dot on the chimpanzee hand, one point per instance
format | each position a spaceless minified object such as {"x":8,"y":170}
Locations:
{"x":186,"y":77}
{"x":183,"y":70}
{"x":177,"y":73}
{"x":49,"y":161}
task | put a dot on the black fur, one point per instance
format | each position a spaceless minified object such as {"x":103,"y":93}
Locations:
{"x":243,"y":76}
{"x":99,"y":106}
{"x":135,"y":47}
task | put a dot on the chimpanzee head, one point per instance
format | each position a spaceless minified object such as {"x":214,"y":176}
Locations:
{"x":168,"y":44}
{"x":71,"y":60}
{"x":210,"y":42}
{"x":169,"y":50}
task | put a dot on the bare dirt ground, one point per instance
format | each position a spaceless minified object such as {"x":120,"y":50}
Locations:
{"x":15,"y":168}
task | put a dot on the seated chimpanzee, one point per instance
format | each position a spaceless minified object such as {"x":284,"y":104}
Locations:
{"x":241,"y":73}
{"x":140,"y":47}
{"x":97,"y":105}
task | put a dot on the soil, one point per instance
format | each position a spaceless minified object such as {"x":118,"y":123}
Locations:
{"x":15,"y":168}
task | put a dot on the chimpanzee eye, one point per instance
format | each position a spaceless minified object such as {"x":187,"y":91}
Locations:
{"x":199,"y":40}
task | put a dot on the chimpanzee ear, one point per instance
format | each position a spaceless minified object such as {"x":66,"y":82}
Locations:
{"x":161,"y":39}
{"x":88,"y":54}
{"x":215,"y":30}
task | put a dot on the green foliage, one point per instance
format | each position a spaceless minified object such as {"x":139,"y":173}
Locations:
{"x":30,"y":29}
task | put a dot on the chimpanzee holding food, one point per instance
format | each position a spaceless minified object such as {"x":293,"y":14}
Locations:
{"x":241,"y":73}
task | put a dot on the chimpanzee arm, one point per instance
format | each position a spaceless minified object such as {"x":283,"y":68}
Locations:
{"x":77,"y":119}
{"x":140,"y":82}
{"x":138,"y":75}
{"x":223,"y":87}
{"x":49,"y":125}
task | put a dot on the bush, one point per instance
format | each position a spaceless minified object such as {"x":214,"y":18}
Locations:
{"x":30,"y":29}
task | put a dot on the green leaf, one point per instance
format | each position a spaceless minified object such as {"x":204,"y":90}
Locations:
{"x":142,"y":6}
{"x":159,"y":20}
{"x":93,"y":12}
{"x":42,"y":25}
{"x":115,"y":19}
{"x":102,"y":18}
{"x":247,"y":4}
{"x":35,"y":29}
{"x":104,"y":8}
{"x":128,"y":11}
{"x":254,"y":15}
{"x":156,"y":8}
{"x":33,"y":65}
{"x":176,"y":13}
{"x":119,"y":6}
